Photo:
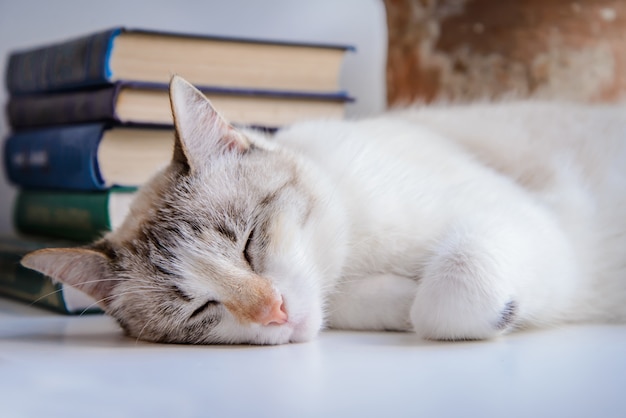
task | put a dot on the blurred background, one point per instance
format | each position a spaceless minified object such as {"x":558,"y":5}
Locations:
{"x":406,"y":50}
{"x":26,"y":23}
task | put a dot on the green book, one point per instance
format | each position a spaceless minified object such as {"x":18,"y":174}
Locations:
{"x":79,"y":216}
{"x":33,"y":287}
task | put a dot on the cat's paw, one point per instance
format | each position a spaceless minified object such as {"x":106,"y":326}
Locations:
{"x":461,"y":313}
{"x":464,"y":293}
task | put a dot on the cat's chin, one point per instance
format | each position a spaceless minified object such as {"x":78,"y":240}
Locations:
{"x":295,"y":331}
{"x":298,"y":332}
{"x":286,"y":335}
{"x":306,"y":325}
{"x":304,"y":331}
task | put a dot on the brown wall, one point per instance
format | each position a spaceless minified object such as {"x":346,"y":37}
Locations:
{"x":468,"y":49}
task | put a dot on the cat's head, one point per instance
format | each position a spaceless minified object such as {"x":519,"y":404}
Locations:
{"x":231,"y":243}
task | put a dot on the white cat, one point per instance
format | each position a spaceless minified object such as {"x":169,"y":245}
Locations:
{"x":456,"y":222}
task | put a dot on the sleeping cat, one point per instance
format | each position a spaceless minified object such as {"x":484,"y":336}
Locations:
{"x":455,"y":222}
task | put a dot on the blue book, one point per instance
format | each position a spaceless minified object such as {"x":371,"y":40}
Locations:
{"x":145,"y":55}
{"x":87,"y":157}
{"x":140,"y":103}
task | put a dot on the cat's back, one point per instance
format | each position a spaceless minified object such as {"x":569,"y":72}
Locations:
{"x":570,"y":157}
{"x":370,"y":146}
{"x":534,"y":142}
{"x":539,"y":145}
{"x":417,"y":166}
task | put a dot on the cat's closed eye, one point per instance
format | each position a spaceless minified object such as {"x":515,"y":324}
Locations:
{"x":188,"y":299}
{"x":205,"y":306}
{"x":246,"y":250}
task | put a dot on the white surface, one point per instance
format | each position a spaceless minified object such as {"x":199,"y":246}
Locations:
{"x":53,"y":365}
{"x":24,"y":23}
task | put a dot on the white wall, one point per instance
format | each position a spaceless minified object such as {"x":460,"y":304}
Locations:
{"x":24,"y":23}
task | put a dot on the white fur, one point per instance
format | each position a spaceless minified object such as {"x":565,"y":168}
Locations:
{"x":456,"y":212}
{"x":458,"y":222}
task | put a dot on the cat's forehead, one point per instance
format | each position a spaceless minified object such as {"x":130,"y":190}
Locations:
{"x":233,"y":190}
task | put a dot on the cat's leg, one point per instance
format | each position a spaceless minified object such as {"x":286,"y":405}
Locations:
{"x":377,"y":302}
{"x":484,"y":277}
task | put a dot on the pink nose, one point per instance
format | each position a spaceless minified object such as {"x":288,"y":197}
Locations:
{"x":275,"y":315}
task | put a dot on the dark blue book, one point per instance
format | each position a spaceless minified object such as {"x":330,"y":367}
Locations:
{"x":141,"y":103}
{"x":87,"y":157}
{"x":144,"y":55}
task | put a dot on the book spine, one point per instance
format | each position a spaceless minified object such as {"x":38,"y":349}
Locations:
{"x":78,"y":216}
{"x":28,"y":285}
{"x":62,"y":108}
{"x":55,"y":158}
{"x":80,"y":62}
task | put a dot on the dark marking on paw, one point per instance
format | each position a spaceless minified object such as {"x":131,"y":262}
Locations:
{"x":507,"y":316}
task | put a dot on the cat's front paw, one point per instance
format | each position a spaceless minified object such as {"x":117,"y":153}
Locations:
{"x":464,"y":293}
{"x":458,"y":316}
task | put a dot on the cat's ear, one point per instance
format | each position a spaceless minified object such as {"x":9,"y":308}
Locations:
{"x":84,"y":269}
{"x":201,"y":133}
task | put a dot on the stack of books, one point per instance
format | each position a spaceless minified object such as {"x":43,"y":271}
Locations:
{"x":91,"y":121}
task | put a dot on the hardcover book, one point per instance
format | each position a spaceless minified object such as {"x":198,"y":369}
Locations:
{"x":146,"y":55}
{"x":32,"y":287}
{"x":87,"y":157}
{"x":79,"y":216}
{"x":141,"y":103}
